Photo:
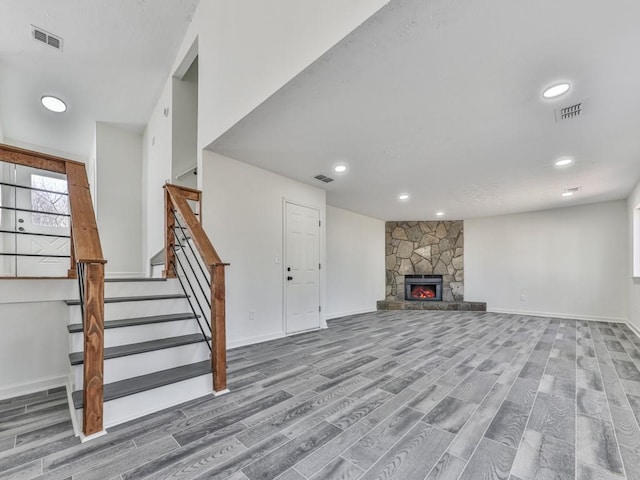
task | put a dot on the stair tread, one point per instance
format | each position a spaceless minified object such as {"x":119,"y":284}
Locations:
{"x":132,"y":322}
{"x":77,"y":358}
{"x":150,"y":381}
{"x":139,"y":298}
{"x":137,"y":279}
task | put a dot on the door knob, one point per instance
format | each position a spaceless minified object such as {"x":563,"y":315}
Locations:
{"x":20,"y":220}
{"x":289,"y":278}
{"x":21,"y":229}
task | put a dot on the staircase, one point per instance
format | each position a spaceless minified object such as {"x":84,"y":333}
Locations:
{"x":147,"y":345}
{"x":155,"y":353}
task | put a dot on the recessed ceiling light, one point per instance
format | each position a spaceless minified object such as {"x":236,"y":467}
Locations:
{"x":568,"y":193}
{"x":564,"y":162}
{"x":556,"y":90}
{"x":403,"y":196}
{"x":53,"y":103}
{"x":440,"y":214}
{"x":340,"y":168}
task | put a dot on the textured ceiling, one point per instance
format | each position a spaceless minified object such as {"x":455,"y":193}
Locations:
{"x":442,"y":100}
{"x":115,"y":60}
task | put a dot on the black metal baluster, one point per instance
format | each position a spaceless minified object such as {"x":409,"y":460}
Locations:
{"x":80,"y":270}
{"x":190,"y":248}
{"x":193,"y":310}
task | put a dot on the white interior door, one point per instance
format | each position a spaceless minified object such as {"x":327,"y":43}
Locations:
{"x":302,"y":268}
{"x":42,"y":223}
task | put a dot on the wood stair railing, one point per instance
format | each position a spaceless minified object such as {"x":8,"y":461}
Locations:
{"x":86,"y":257}
{"x":177,"y":202}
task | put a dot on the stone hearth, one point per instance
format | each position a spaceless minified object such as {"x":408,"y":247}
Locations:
{"x":469,"y":306}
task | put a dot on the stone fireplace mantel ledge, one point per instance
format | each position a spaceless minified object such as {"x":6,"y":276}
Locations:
{"x":411,"y":305}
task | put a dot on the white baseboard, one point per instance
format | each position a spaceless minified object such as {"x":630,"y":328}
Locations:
{"x":589,"y":318}
{"x":331,"y":316}
{"x":253,"y":340}
{"x":93,"y":436}
{"x":634,"y":329}
{"x":32,"y":387}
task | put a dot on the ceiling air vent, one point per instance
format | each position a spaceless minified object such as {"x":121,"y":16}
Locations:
{"x":45,"y":37}
{"x":323,"y":178}
{"x":567,"y":113}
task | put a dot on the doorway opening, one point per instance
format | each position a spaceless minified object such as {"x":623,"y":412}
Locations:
{"x":184,"y":149}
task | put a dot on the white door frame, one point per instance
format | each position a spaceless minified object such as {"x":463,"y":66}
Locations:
{"x":285,"y":201}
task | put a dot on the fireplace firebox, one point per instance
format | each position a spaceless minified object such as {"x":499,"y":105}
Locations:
{"x":423,"y":288}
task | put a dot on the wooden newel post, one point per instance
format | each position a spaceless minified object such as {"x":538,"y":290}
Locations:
{"x":93,"y":348}
{"x":218,"y":329}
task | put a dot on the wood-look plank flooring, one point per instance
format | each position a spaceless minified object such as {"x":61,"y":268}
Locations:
{"x":386,"y":395}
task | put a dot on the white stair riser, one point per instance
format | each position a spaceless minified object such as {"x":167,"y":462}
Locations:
{"x":117,"y":311}
{"x":130,"y":366}
{"x":156,"y":271}
{"x":140,"y":333}
{"x":127,"y":408}
{"x":131,"y":289}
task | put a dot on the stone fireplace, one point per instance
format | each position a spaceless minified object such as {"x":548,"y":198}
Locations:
{"x":422,"y":249}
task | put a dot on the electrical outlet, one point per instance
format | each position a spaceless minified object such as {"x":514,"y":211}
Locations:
{"x":523,"y":298}
{"x":252,"y":314}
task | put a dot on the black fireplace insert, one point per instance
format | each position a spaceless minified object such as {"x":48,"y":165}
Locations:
{"x":423,"y":288}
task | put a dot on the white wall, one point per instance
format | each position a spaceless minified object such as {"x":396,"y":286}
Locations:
{"x":355,"y":262}
{"x":90,"y":166}
{"x":156,"y":169}
{"x":243,"y":217}
{"x":33,"y":344}
{"x":237,"y":43}
{"x":568,"y":262}
{"x":119,"y":199}
{"x":248,"y":49}
{"x":185,"y":127}
{"x":633,"y":283}
{"x":49,"y":151}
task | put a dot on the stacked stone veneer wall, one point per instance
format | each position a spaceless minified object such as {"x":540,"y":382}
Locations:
{"x":433,"y":248}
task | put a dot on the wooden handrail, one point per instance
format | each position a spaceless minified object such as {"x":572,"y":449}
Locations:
{"x":29,"y":158}
{"x":200,"y":238}
{"x":176,"y":198}
{"x":86,"y":250}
